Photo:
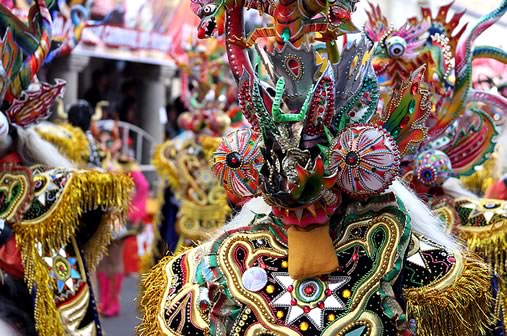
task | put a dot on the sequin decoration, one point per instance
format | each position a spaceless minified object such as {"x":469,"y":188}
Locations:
{"x":236,"y":162}
{"x":432,"y":168}
{"x":366,"y":159}
{"x":309,"y":298}
{"x":64,"y":270}
{"x":254,"y":279}
{"x":16,"y":187}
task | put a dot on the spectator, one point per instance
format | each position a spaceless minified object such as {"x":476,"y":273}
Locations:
{"x":173,"y":112}
{"x":97,"y":92}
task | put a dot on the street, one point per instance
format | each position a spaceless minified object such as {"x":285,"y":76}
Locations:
{"x":124,"y":324}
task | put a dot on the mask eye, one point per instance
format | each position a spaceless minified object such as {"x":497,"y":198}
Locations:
{"x":209,"y":9}
{"x":396,"y":46}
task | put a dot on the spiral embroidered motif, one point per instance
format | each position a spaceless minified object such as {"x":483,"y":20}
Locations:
{"x":366,"y":159}
{"x":236,"y":162}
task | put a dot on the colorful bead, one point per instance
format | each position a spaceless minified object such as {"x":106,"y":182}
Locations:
{"x":432,"y":168}
{"x":304,"y":326}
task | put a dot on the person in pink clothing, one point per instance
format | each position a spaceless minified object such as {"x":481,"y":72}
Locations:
{"x":110,"y":271}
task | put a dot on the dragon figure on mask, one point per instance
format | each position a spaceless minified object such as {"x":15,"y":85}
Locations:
{"x":294,"y":19}
{"x":462,"y":128}
{"x":330,"y":242}
{"x":448,"y":52}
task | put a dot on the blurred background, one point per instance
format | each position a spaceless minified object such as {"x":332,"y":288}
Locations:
{"x":128,"y":62}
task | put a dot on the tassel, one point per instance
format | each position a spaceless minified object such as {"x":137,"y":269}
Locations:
{"x":463,"y":308}
{"x":153,"y":286}
{"x":83,"y":192}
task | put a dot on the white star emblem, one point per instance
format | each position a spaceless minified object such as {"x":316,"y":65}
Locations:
{"x":328,"y":300}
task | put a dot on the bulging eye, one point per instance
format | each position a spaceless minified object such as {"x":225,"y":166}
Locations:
{"x":396,"y":46}
{"x":209,"y":9}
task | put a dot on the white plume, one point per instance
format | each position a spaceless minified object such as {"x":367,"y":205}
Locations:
{"x":422,"y":219}
{"x":35,"y":150}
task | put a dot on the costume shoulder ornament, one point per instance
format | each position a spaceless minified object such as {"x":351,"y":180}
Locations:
{"x":47,"y":210}
{"x":338,"y":253}
{"x":184,"y":161}
{"x":462,"y":126}
{"x":69,"y":140}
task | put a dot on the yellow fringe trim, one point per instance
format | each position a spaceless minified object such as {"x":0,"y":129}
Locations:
{"x":154,"y":254}
{"x":465,"y":308}
{"x":153,"y":285}
{"x":74,"y":148}
{"x":165,"y":169}
{"x":489,"y":243}
{"x":85,"y":191}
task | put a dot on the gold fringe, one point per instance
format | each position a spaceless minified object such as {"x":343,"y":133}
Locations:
{"x":74,"y":148}
{"x":490,"y":244}
{"x":153,"y":285}
{"x":97,"y":246}
{"x":465,"y":308}
{"x":85,"y":191}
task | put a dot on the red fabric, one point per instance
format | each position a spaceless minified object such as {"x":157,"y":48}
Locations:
{"x":130,"y":257}
{"x":11,"y":158}
{"x":10,"y":259}
{"x":137,"y":211}
{"x":497,"y":191}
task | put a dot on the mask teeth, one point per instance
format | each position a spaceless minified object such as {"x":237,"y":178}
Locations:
{"x":311,"y":209}
{"x":299,"y":214}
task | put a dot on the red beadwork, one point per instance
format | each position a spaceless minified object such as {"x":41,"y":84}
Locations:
{"x":203,"y":305}
{"x":309,"y":290}
{"x":414,"y":88}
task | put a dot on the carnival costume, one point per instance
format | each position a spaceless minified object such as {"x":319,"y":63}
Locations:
{"x":343,"y":248}
{"x":463,"y":123}
{"x":110,"y":271}
{"x":73,"y":137}
{"x":55,"y":221}
{"x":183,"y":162}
